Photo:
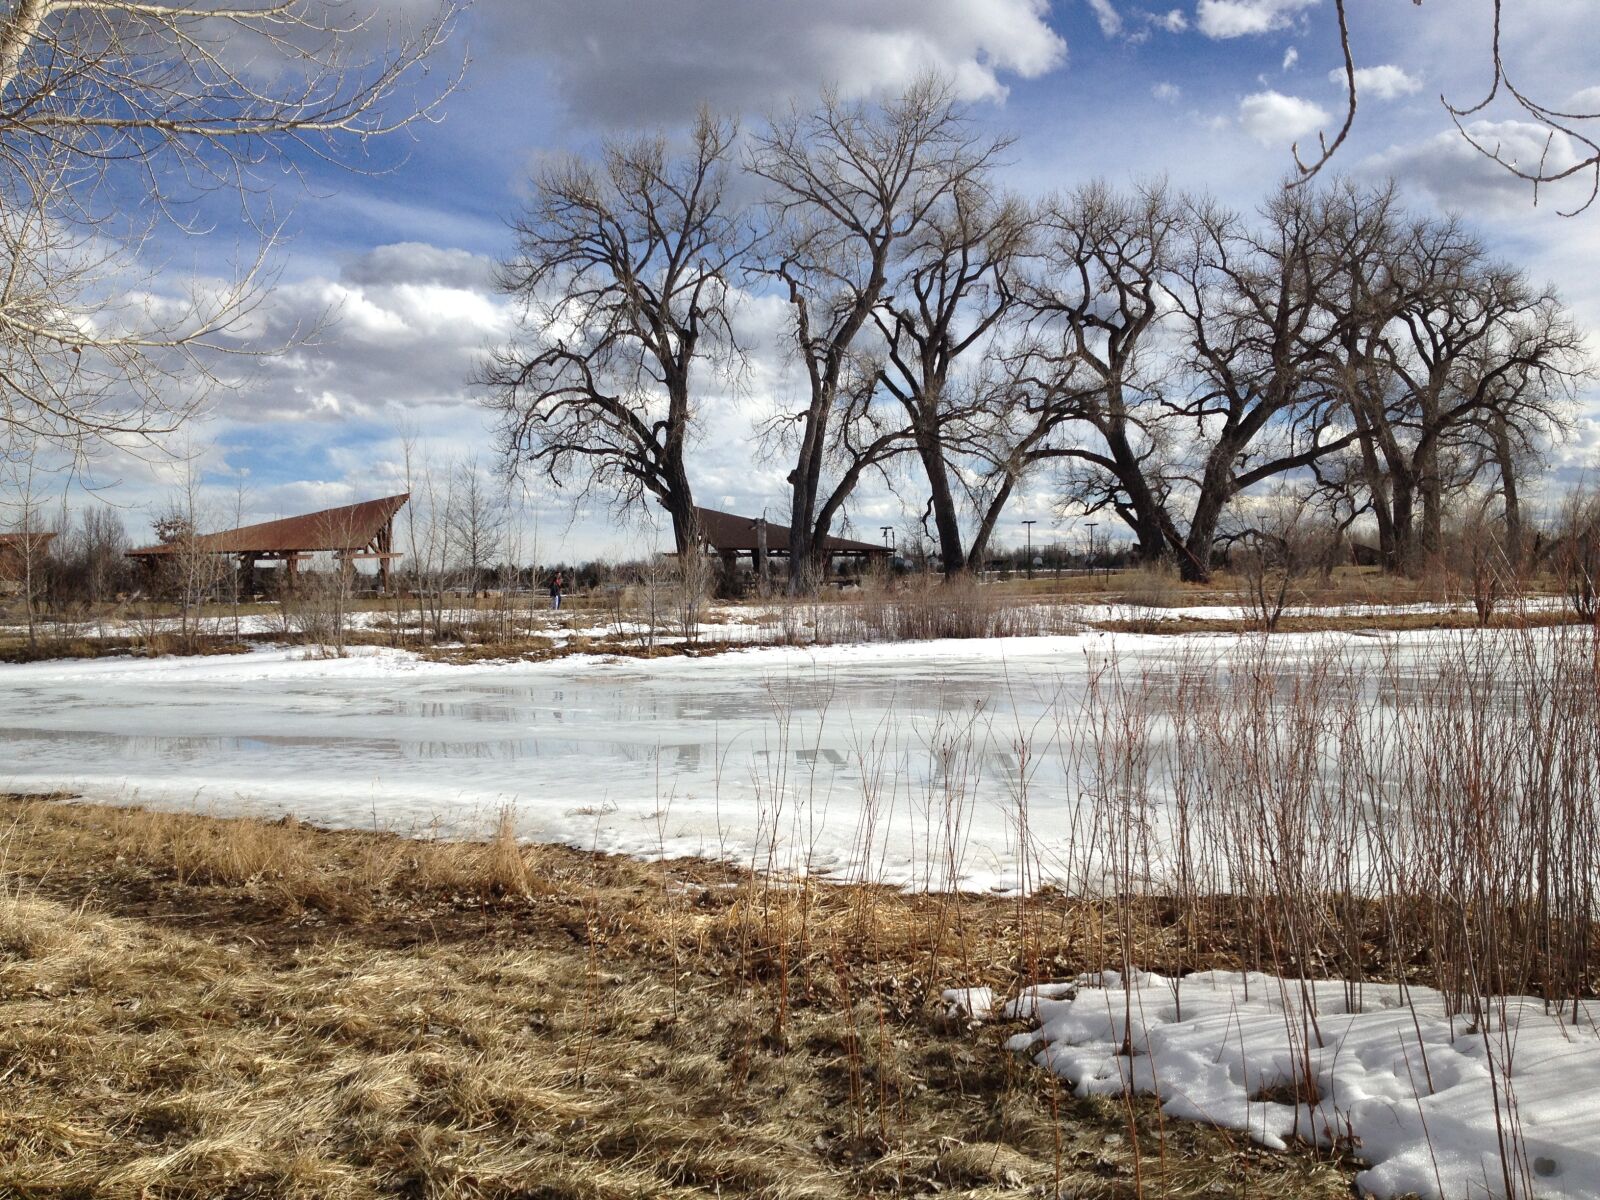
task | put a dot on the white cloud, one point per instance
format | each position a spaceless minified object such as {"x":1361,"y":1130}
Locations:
{"x":1166,"y":92}
{"x":1290,"y":57}
{"x":1173,"y":20}
{"x":1447,"y":167}
{"x":1271,"y":117}
{"x":1107,"y":16}
{"x":1585,"y":101}
{"x":1386,"y":82}
{"x":408,"y":322}
{"x":621,"y":62}
{"x":1240,"y":18}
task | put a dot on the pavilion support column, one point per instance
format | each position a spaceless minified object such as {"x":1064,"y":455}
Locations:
{"x":763,"y":572}
{"x":385,"y":548}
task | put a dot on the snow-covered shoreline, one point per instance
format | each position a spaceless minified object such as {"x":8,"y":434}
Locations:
{"x":1437,"y":1103}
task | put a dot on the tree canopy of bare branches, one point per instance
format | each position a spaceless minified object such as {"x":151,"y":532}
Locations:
{"x":117,"y":107}
{"x":623,"y":279}
{"x":1142,"y":353}
{"x":854,"y":188}
{"x":958,"y":285}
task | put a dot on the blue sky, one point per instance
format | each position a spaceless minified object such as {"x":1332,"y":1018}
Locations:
{"x":1209,"y":93}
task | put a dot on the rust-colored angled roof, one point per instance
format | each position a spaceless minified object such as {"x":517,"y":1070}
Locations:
{"x":14,"y":551}
{"x":728,"y":532}
{"x":351,"y":528}
{"x":42,"y":538}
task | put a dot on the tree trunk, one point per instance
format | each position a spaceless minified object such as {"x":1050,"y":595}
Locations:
{"x":1216,"y":489}
{"x":1430,"y":489}
{"x":1403,"y":506}
{"x":946,"y":519}
{"x":679,"y":503}
{"x":1506,"y":461}
{"x":985,"y":530}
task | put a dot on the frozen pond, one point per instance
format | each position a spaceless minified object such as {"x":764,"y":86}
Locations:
{"x":889,"y":762}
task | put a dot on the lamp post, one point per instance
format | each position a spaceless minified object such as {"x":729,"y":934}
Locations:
{"x":1091,"y":525}
{"x":1030,"y":525}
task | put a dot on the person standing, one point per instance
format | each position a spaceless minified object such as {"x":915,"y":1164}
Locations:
{"x":556,"y":583}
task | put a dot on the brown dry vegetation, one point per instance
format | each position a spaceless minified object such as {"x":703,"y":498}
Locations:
{"x":500,"y":628}
{"x":193,"y":1007}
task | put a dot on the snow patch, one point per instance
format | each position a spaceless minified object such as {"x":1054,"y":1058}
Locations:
{"x":1433,"y":1099}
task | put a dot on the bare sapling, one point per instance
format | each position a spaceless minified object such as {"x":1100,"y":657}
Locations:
{"x":1281,"y":544}
{"x":1577,"y":553}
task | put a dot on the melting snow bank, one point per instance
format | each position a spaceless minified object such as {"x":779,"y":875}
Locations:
{"x":1435,"y":1103}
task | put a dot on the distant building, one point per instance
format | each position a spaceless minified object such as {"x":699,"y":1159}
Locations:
{"x":14,"y":552}
{"x":350,"y":533}
{"x":729,"y":536}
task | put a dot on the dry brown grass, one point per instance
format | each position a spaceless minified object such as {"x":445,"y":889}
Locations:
{"x":199,"y":1008}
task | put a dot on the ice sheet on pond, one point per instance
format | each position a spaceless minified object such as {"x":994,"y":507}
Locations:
{"x":912,"y":763}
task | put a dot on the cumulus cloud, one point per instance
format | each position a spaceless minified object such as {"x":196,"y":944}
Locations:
{"x":1585,"y":101}
{"x":1166,"y":92}
{"x":404,"y":325}
{"x":1386,"y":82}
{"x":1271,"y":117}
{"x":1173,"y":20}
{"x":621,"y":62}
{"x":1108,"y":17}
{"x":1447,"y":167}
{"x":1290,"y":57}
{"x":1241,"y":18}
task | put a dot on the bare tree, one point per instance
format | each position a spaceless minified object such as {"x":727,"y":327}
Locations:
{"x":190,"y":568}
{"x":1281,"y":542}
{"x":1577,"y":552}
{"x":851,"y":185}
{"x":110,"y":107}
{"x":1474,"y":352}
{"x":959,"y":283}
{"x":1095,"y":302}
{"x":28,"y":546}
{"x":477,"y":523}
{"x":97,"y":566}
{"x":1253,"y":305}
{"x":622,"y":275}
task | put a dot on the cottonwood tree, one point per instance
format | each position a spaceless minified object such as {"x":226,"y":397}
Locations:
{"x":622,"y":276}
{"x":1252,"y":304}
{"x":959,"y":279}
{"x":852,"y":185}
{"x":1085,"y":379}
{"x":111,"y":107}
{"x":1473,"y":352}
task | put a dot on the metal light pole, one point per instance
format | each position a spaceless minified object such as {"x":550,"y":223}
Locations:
{"x":1030,"y":525}
{"x":1091,"y":525}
